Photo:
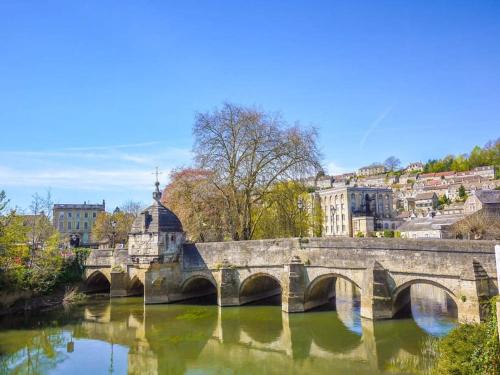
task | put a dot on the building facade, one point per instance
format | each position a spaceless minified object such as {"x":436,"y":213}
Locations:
{"x":351,"y":210}
{"x":75,"y":221}
{"x":372,"y":170}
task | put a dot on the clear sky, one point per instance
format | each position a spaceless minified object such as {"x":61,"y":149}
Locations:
{"x":95,"y":94}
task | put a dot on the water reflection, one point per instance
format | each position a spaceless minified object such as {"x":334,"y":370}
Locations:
{"x":125,"y":336}
{"x":433,"y":309}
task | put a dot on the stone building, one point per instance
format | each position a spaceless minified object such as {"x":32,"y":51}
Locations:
{"x":426,"y":201}
{"x":372,"y":170}
{"x":414,"y":167}
{"x":349,"y":210}
{"x":75,"y":221}
{"x":156,"y":234}
{"x":431,"y":226}
{"x":482,"y":199}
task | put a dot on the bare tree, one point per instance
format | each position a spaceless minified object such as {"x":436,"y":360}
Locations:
{"x":3,"y":201}
{"x":392,"y":163}
{"x":249,"y":150}
{"x":480,"y":225}
{"x":132,"y":207}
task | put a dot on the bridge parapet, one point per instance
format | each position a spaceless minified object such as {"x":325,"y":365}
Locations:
{"x":100,"y":258}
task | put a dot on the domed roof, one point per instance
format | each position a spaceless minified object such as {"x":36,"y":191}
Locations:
{"x":156,"y":218}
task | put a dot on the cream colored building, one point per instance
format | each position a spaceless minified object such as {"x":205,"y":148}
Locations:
{"x":75,"y":221}
{"x":349,"y":210}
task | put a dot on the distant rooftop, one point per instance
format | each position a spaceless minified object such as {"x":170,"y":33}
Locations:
{"x":430,"y":223}
{"x":488,"y":196}
{"x":84,"y":206}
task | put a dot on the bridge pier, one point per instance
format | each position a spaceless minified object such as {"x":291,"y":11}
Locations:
{"x":119,"y":284}
{"x":293,"y":286}
{"x":376,"y":300}
{"x":228,"y":286}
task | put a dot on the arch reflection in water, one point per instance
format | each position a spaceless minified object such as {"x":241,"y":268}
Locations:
{"x":178,"y":339}
{"x":433,"y":308}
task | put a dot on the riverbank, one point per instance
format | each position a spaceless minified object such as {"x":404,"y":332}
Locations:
{"x":23,"y":301}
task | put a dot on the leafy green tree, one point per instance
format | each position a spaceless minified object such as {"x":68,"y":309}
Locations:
{"x":462,"y":194}
{"x":14,"y":250}
{"x":443,"y":200}
{"x":103,"y":228}
{"x":289,"y":211}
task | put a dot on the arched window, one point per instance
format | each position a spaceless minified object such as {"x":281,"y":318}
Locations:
{"x":386,"y":226}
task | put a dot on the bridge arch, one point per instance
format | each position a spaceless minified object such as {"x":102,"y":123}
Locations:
{"x":97,"y":282}
{"x":259,"y":286}
{"x":322,"y":289}
{"x":401,"y":298}
{"x":136,"y":287}
{"x":198,"y":285}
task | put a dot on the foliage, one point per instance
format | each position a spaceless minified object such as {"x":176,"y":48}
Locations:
{"x":248,"y":151}
{"x":388,"y":233}
{"x":103,"y":226}
{"x":14,"y":250}
{"x":443,"y":200}
{"x":471,"y":349}
{"x":44,"y":272}
{"x":282,"y":215}
{"x":462,"y":194}
{"x":39,"y":270}
{"x":198,"y":204}
{"x":73,"y":266}
{"x":478,"y":157}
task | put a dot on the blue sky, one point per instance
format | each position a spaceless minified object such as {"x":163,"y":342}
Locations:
{"x":94,"y":95}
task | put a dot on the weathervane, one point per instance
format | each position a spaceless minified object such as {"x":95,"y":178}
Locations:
{"x":157,"y":193}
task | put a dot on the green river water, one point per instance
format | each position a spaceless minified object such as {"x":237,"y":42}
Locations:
{"x":124,"y":336}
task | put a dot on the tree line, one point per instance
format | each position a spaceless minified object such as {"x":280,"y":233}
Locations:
{"x":478,"y":157}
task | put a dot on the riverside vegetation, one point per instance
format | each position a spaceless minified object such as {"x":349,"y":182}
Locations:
{"x":31,"y":260}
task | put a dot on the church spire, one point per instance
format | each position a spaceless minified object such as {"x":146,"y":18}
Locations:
{"x":157,"y":192}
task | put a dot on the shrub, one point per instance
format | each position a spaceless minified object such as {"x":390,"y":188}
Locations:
{"x":471,"y":349}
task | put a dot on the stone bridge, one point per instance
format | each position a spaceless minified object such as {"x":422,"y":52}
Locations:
{"x":304,"y":272}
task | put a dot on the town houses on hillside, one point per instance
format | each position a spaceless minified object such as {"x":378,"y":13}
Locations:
{"x":413,"y":203}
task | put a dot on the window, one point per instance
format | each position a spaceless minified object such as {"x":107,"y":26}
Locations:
{"x":94,"y":214}
{"x":77,"y":215}
{"x":61,"y":215}
{"x":70,"y":214}
{"x":61,"y":226}
{"x":77,"y":225}
{"x":69,"y":225}
{"x":86,"y":215}
{"x":85,"y":225}
{"x":386,"y":226}
{"x":393,"y":226}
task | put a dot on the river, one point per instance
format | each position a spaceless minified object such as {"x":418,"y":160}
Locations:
{"x":124,"y":336}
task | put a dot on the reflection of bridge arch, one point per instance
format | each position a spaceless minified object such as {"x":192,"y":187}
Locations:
{"x":97,"y":281}
{"x":259,"y":286}
{"x":322,"y":289}
{"x":401,"y":295}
